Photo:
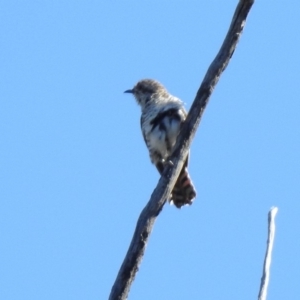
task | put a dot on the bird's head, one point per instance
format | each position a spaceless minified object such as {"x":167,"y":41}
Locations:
{"x":147,"y":90}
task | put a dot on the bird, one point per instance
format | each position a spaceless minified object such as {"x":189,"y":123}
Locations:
{"x":161,"y":120}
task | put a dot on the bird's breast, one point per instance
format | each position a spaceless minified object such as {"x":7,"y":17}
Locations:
{"x":161,"y":128}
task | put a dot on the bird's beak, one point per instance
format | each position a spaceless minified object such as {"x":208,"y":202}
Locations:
{"x":129,"y":91}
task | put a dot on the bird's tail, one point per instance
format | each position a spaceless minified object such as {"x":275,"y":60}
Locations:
{"x":184,"y":191}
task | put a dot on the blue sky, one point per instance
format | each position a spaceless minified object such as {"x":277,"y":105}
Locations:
{"x":75,"y":172}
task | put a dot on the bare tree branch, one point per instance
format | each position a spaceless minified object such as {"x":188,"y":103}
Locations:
{"x":267,"y":263}
{"x":167,"y":181}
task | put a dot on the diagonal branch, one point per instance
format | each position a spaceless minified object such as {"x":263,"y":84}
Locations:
{"x":267,"y":263}
{"x":167,"y":181}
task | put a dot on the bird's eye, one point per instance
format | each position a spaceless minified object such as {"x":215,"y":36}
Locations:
{"x":147,"y":98}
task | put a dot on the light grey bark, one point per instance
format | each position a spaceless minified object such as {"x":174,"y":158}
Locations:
{"x":267,"y":263}
{"x":167,"y":181}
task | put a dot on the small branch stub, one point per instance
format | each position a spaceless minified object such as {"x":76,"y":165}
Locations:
{"x":267,"y":263}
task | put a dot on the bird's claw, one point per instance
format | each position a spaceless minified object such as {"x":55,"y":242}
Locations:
{"x":167,"y":162}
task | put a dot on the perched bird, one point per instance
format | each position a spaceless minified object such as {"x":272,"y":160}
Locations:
{"x":162,"y":116}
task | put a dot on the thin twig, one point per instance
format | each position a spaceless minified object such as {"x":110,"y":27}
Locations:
{"x":267,"y":263}
{"x":167,"y":181}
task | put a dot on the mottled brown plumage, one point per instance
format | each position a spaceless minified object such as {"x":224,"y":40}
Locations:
{"x":162,"y":116}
